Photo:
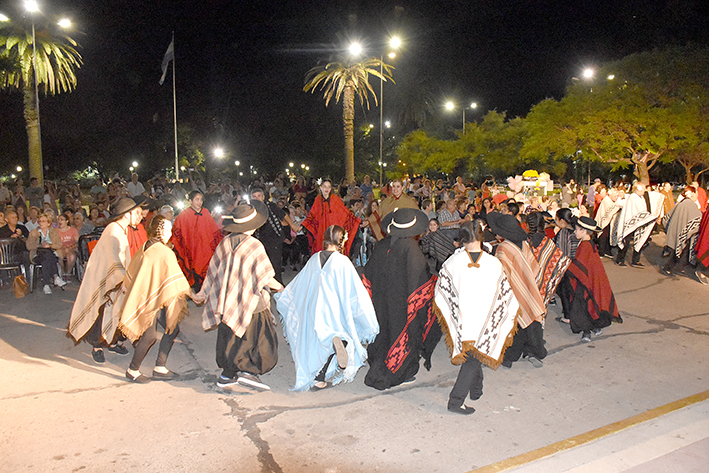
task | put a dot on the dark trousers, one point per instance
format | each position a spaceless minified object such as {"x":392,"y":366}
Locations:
{"x":49,"y":261}
{"x":677,"y":263}
{"x":628,"y":242}
{"x":275,"y":255}
{"x":469,"y":381}
{"x":527,"y":341}
{"x":604,"y":242}
{"x":148,"y":339}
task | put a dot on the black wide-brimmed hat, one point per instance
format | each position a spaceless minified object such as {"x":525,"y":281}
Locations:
{"x":121,"y":208}
{"x":587,"y":223}
{"x":506,"y":226}
{"x":146,"y":202}
{"x":405,"y":223}
{"x":245,"y":217}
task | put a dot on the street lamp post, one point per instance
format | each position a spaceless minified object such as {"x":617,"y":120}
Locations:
{"x":395,"y":43}
{"x":451,"y":106}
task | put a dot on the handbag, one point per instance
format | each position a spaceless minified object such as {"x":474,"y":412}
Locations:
{"x":20,"y":287}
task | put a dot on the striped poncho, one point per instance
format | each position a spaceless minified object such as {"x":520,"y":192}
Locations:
{"x":522,"y":268}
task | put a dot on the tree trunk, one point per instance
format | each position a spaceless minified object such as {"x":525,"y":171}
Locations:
{"x":348,"y":121}
{"x":33,"y":134}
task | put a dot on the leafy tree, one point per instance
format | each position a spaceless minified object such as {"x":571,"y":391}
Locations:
{"x":349,"y":79}
{"x":491,"y":146}
{"x":57,"y":60}
{"x":647,"y":108}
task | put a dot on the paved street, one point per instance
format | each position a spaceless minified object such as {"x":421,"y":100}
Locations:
{"x":62,"y":412}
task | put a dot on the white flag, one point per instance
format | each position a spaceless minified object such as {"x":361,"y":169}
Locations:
{"x":169,"y":56}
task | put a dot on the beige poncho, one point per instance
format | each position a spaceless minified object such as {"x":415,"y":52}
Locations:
{"x":154,"y":280}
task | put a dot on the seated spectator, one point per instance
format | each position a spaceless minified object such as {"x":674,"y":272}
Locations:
{"x":31,"y":223}
{"x":12,"y":229}
{"x":42,"y":243}
{"x":82,"y":226}
{"x":70,"y":244}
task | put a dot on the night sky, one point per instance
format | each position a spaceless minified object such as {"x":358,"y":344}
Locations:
{"x":241,"y":68}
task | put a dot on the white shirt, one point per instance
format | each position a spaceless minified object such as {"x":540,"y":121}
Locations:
{"x":135,"y":189}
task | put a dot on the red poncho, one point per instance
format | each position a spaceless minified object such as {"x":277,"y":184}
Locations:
{"x":195,"y":237}
{"x":328,"y":212}
{"x":587,"y":271}
{"x":702,"y":247}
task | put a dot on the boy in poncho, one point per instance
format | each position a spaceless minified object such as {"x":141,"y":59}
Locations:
{"x":476,"y":309}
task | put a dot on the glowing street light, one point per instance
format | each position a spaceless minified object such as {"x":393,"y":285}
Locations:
{"x":135,"y":164}
{"x":611,"y":76}
{"x":237,"y":163}
{"x":64,"y":23}
{"x":450,"y":106}
{"x":302,"y":166}
{"x":290,"y":165}
{"x":3,"y":17}
{"x":218,"y":153}
{"x":31,"y":6}
{"x":588,"y":73}
{"x":19,"y":168}
{"x":355,"y":49}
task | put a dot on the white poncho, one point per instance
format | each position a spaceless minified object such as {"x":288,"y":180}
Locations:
{"x":476,"y":308}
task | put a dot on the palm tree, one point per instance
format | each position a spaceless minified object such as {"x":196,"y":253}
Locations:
{"x":337,"y":78}
{"x":57,"y":60}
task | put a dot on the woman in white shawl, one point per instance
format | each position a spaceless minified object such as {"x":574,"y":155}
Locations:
{"x":476,"y":308}
{"x":326,"y":314}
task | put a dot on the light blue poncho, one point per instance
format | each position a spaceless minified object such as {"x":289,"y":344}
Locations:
{"x":319,"y":304}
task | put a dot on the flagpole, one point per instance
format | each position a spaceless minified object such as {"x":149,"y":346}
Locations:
{"x":174,"y":114}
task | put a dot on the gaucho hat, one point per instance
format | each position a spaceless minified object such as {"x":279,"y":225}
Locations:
{"x":587,"y":223}
{"x":121,"y":208}
{"x":246,"y":217}
{"x":405,"y":223}
{"x":506,"y":226}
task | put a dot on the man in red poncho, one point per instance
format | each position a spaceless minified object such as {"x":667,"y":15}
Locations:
{"x":195,"y":237}
{"x":328,"y":209}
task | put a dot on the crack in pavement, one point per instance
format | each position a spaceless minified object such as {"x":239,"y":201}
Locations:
{"x":249,"y":425}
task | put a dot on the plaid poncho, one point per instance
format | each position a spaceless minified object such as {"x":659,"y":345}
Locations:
{"x":236,"y":282}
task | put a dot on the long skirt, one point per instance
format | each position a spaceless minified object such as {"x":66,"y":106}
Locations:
{"x":256,"y":352}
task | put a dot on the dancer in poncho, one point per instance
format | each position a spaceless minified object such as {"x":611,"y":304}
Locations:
{"x":701,"y":250}
{"x":153,"y":282}
{"x":521,"y":268}
{"x":476,"y":309}
{"x":326,"y":310}
{"x":551,"y":259}
{"x":94,"y":317}
{"x":238,"y":301}
{"x":195,"y":237}
{"x":682,"y":227}
{"x":328,"y":209}
{"x":591,"y":300}
{"x":402,"y":292}
{"x":635,"y":223}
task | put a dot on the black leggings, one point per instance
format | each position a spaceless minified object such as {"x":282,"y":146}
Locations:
{"x":49,"y":261}
{"x":148,"y":339}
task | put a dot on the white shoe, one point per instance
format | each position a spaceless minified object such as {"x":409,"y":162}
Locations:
{"x":58,"y":281}
{"x":47,"y":289}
